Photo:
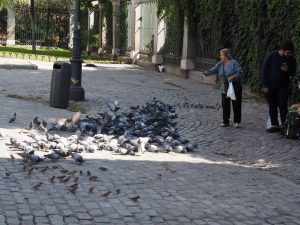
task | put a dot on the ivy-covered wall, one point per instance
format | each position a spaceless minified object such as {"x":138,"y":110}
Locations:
{"x":249,"y":27}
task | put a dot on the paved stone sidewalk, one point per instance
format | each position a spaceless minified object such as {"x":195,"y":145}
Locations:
{"x":237,"y":176}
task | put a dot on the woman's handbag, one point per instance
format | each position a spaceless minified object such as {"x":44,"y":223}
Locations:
{"x":230,"y":91}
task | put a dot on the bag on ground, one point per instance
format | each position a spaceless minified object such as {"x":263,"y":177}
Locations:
{"x":269,"y":124}
{"x":230,"y":91}
{"x":292,"y":125}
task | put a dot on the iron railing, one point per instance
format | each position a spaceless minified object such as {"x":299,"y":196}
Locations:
{"x":52,"y":27}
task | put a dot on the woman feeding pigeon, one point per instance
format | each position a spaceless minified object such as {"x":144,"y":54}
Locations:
{"x":229,"y":70}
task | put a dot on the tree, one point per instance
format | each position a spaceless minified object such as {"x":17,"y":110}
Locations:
{"x":11,"y":3}
{"x":32,"y":19}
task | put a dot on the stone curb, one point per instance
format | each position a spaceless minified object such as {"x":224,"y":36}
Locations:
{"x":18,"y":66}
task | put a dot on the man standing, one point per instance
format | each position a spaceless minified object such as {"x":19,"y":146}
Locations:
{"x":276,"y":70}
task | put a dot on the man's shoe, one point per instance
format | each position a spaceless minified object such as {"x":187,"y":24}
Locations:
{"x":237,"y":125}
{"x":273,"y":129}
{"x":224,"y":124}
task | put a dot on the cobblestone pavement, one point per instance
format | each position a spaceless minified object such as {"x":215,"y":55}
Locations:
{"x":236,"y":176}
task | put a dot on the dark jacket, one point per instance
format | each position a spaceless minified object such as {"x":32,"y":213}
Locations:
{"x":272,"y":75}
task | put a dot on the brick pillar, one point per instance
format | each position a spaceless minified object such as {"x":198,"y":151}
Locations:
{"x":188,"y":50}
{"x":159,"y":40}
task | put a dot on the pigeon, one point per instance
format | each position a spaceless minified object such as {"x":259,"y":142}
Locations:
{"x":36,"y":122}
{"x":37,"y":185}
{"x":13,"y":118}
{"x":113,"y":106}
{"x":30,"y":126}
{"x":44,"y":123}
{"x":66,"y":179}
{"x":34,"y":158}
{"x":73,"y":189}
{"x":42,"y":129}
{"x":74,"y":185}
{"x":142,"y":142}
{"x":44,"y":169}
{"x":77,"y":158}
{"x":135,"y":199}
{"x":106,"y":194}
{"x":53,"y":156}
{"x":102,"y":168}
{"x":63,"y":153}
{"x":91,"y":190}
{"x":134,"y":107}
{"x":64,"y":171}
{"x":93,"y":178}
{"x":30,"y":171}
{"x":180,"y":149}
{"x":170,"y":170}
{"x":190,"y":147}
{"x":61,"y":177}
{"x":52,"y":179}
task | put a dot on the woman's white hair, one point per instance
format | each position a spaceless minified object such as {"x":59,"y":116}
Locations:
{"x":226,"y":52}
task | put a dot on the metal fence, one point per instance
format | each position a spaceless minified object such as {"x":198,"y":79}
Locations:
{"x":52,"y":27}
{"x":3,"y":25}
{"x":172,"y":47}
{"x":206,"y":49}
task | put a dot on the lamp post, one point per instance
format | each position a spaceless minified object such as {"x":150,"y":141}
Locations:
{"x":76,"y":91}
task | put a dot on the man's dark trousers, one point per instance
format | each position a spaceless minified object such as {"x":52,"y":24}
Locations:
{"x":278,"y":98}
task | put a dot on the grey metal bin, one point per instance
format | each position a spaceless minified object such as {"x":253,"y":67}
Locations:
{"x":60,"y":85}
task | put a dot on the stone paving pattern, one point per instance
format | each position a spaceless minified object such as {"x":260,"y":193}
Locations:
{"x":236,"y":176}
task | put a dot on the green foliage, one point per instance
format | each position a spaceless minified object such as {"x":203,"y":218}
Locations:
{"x":76,"y":107}
{"x":172,"y":13}
{"x":3,"y":19}
{"x":24,"y":97}
{"x":123,"y":26}
{"x":250,"y":28}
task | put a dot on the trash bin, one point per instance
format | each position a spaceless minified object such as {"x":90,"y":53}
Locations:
{"x":60,"y":85}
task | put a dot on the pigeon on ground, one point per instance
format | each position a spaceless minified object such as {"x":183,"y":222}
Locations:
{"x":77,"y":158}
{"x":106,"y":194}
{"x":34,"y":158}
{"x":135,"y":199}
{"x":37,"y":185}
{"x":113,"y":106}
{"x":30,"y":126}
{"x":44,"y":122}
{"x":36,"y":122}
{"x":52,"y":179}
{"x":53,"y":156}
{"x":13,"y":118}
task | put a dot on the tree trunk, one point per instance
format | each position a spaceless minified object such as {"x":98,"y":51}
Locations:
{"x":32,"y":19}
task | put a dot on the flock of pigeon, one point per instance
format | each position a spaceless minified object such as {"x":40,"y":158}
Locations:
{"x":151,"y":127}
